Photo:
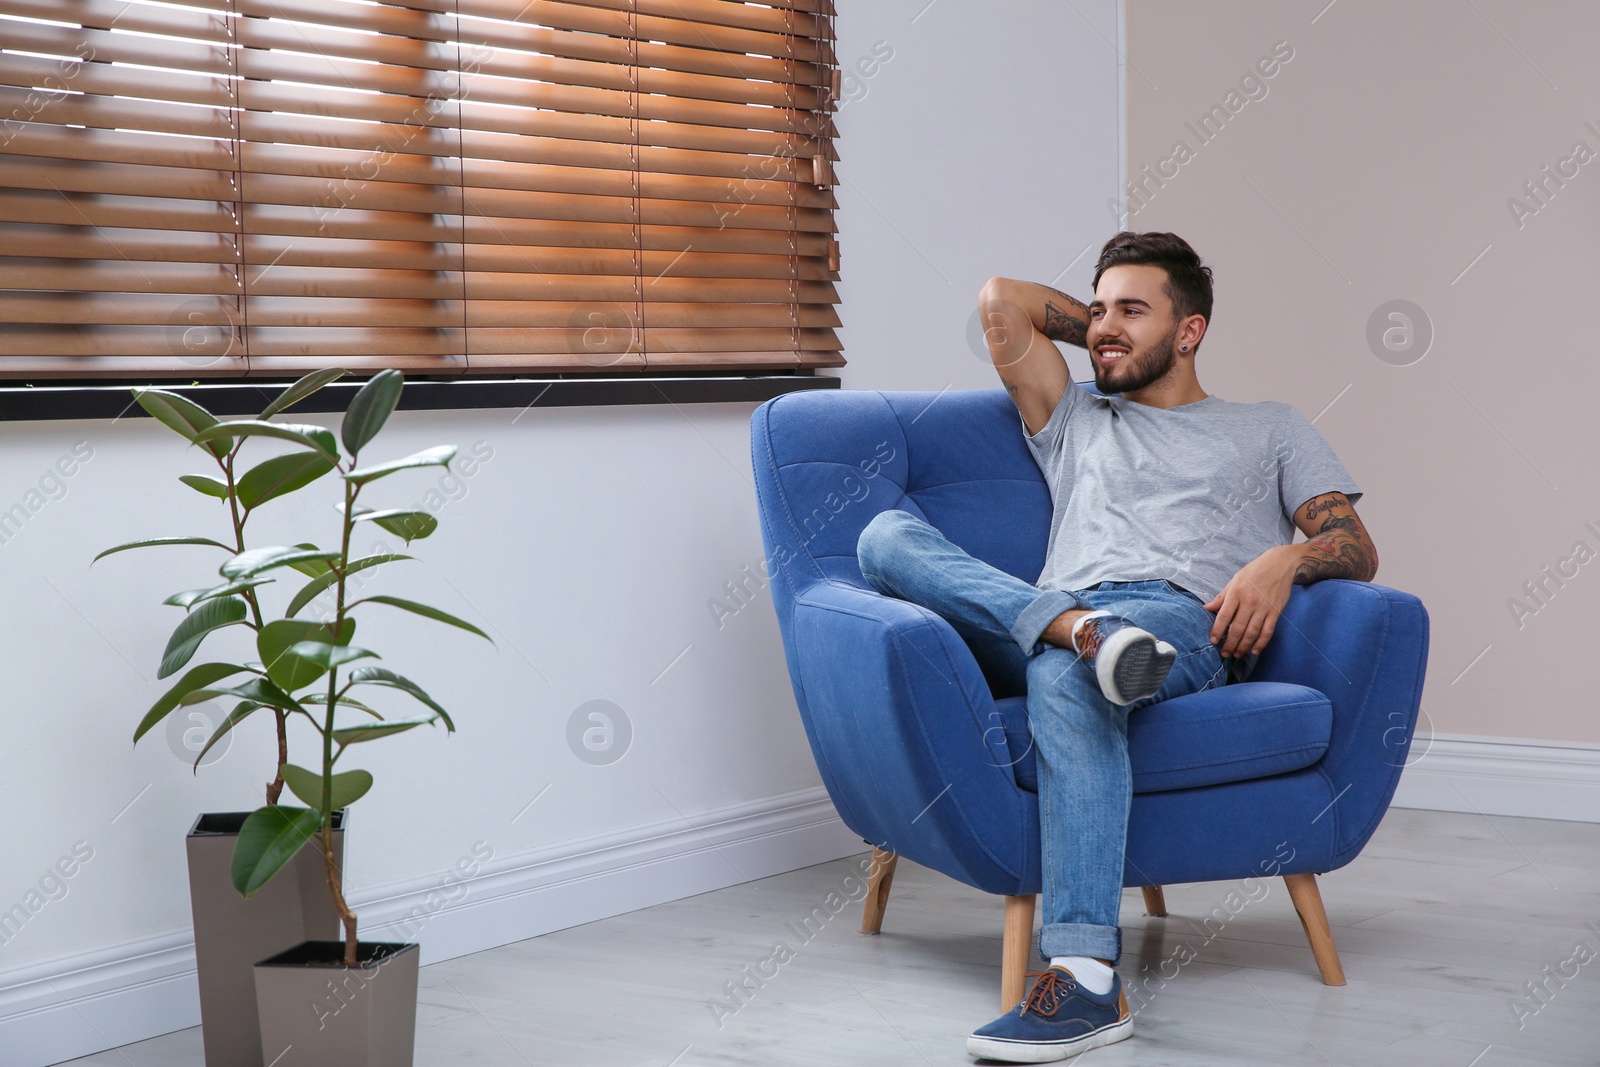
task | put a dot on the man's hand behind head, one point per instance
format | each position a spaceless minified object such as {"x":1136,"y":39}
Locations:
{"x":1021,"y":320}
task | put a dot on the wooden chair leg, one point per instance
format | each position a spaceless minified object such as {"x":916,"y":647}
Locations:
{"x":1016,"y":947}
{"x":879,"y":880}
{"x":1155,"y":901}
{"x":1308,"y":905}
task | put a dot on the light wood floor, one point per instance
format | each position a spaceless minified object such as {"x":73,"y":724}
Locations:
{"x":1440,"y":922}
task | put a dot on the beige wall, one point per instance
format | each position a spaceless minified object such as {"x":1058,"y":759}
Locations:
{"x":1377,"y":164}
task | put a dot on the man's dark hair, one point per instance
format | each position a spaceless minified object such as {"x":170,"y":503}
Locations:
{"x":1188,"y":280}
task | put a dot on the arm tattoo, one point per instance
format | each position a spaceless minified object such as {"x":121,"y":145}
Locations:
{"x":1343,"y":551}
{"x":1067,"y":321}
{"x":1325,"y":505}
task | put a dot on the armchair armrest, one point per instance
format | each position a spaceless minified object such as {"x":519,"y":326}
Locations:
{"x":907,"y":738}
{"x":1364,"y":646}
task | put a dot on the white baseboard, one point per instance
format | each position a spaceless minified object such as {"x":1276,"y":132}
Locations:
{"x":1502,"y":776}
{"x":76,"y":1006}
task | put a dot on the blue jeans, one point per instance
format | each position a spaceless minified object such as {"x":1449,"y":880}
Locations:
{"x":1080,"y":737}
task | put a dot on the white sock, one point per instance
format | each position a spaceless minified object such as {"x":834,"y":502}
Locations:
{"x":1090,"y":973}
{"x":1080,"y":621}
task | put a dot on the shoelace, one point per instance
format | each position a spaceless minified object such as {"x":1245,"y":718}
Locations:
{"x":1046,"y":996}
{"x":1089,"y":638}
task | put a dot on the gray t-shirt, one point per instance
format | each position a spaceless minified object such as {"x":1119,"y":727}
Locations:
{"x":1189,"y":494}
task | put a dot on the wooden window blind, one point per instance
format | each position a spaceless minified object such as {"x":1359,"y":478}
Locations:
{"x":203,"y":188}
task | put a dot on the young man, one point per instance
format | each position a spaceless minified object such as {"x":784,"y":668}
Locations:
{"x":1169,"y":562}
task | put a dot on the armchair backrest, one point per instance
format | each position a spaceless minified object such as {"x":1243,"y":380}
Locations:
{"x":827,"y":462}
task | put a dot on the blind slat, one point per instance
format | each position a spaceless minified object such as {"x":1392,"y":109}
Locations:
{"x":103,"y":46}
{"x":477,"y":115}
{"x":197,"y":352}
{"x":776,"y":18}
{"x":35,"y":206}
{"x":116,"y":309}
{"x":704,"y":340}
{"x":347,"y":312}
{"x":105,"y":242}
{"x":269,"y":359}
{"x":118,"y":276}
{"x":205,"y":22}
{"x":626,"y":315}
{"x":113,"y":113}
{"x":51,"y":78}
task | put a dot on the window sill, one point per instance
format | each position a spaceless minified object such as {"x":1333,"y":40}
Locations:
{"x":103,"y":401}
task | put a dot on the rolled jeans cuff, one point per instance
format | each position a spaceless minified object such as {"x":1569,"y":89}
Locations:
{"x":1037,"y":616}
{"x":1080,"y":939}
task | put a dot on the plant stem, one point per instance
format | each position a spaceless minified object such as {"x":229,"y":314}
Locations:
{"x":238,"y":525}
{"x":274,"y":787}
{"x":346,"y":916}
{"x":335,"y":876}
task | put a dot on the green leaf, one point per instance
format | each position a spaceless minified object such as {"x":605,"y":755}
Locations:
{"x":354,"y":735}
{"x":430,"y":457}
{"x":381,"y":676}
{"x":241,"y":711}
{"x":280,"y":475}
{"x":348,"y":787}
{"x":302,"y":389}
{"x":201,"y":484}
{"x":162,"y":541}
{"x":370,"y":409}
{"x":315,"y":586}
{"x":189,"y":598}
{"x":426,"y":611}
{"x":185,"y":640}
{"x":402,"y":522}
{"x":315,"y":438}
{"x":254,"y":561}
{"x":310,"y":591}
{"x":269,"y":839}
{"x":181,"y":415}
{"x":259,"y":691}
{"x":311,"y":568}
{"x":329,"y":656}
{"x":277,"y":639}
{"x":195,"y":678}
{"x":409,"y":525}
{"x":178,"y":413}
{"x":351,"y":701}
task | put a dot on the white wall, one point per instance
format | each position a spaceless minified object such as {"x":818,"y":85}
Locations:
{"x":984,"y":145}
{"x":590,"y":545}
{"x":1381,"y":164}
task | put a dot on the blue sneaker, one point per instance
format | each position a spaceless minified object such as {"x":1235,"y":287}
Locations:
{"x":1058,"y":1018}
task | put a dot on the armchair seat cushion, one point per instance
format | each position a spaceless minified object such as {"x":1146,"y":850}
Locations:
{"x":1229,"y":734}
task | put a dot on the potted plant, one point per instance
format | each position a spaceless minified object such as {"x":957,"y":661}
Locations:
{"x":232,"y":932}
{"x":307,"y":668}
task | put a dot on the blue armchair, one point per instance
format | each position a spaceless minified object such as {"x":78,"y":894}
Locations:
{"x":1285,"y":774}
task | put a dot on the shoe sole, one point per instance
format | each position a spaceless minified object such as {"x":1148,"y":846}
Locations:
{"x":993,"y":1048}
{"x":1133,"y":665}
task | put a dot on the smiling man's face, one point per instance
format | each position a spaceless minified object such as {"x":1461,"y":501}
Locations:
{"x":1133,"y":335}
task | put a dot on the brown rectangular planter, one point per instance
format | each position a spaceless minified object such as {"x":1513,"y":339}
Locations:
{"x":316,"y":1012}
{"x":231,"y":933}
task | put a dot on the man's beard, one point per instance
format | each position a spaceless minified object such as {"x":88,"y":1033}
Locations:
{"x":1136,"y":370}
